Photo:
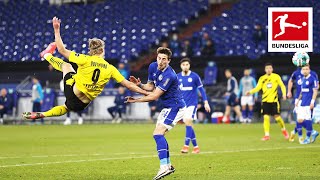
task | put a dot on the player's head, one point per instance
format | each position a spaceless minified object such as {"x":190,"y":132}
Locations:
{"x":285,"y":15}
{"x":121,"y":65}
{"x":306,"y":70}
{"x":34,"y":80}
{"x":121,"y":90}
{"x":246,"y":72}
{"x":96,"y":47}
{"x":3,"y":92}
{"x":268,"y":68}
{"x":228,"y":73}
{"x":163,"y":57}
{"x":185,"y":64}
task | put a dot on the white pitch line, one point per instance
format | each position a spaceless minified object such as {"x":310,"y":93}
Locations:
{"x":150,"y":156}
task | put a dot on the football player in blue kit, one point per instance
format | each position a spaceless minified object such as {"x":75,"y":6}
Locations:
{"x":164,"y":85}
{"x":190,"y":84}
{"x":297,"y":77}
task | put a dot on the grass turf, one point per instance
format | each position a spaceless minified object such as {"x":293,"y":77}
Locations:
{"x":127,"y":151}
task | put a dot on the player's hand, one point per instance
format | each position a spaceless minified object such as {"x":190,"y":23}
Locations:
{"x":255,"y":99}
{"x":284,"y":98}
{"x":247,"y":93}
{"x":41,"y":102}
{"x":296,"y":104}
{"x":135,"y":80}
{"x":237,"y":99}
{"x":207,"y":107}
{"x":311,"y":105}
{"x":289,"y":95}
{"x":56,"y":23}
{"x":1,"y":106}
{"x":130,"y":99}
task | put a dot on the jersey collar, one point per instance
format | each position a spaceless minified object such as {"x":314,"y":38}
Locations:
{"x":188,"y":74}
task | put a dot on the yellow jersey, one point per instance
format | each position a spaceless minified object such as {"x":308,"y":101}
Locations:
{"x":93,"y":74}
{"x":269,"y":85}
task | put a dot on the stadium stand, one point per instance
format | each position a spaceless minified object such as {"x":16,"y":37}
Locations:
{"x":25,"y":26}
{"x":233,"y":31}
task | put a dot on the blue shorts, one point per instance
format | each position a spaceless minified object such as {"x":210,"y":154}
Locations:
{"x":231,"y":101}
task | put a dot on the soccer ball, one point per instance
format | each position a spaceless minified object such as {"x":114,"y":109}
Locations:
{"x":300,"y":59}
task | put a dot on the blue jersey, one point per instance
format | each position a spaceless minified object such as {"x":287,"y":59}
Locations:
{"x":308,"y":84}
{"x":189,"y":85}
{"x":153,"y":68}
{"x":167,"y":81}
{"x":297,"y":77}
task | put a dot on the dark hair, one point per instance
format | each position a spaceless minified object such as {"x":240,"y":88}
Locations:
{"x":185,"y":60}
{"x":34,"y":77}
{"x":268,"y":64}
{"x":164,"y":50}
{"x":228,"y":70}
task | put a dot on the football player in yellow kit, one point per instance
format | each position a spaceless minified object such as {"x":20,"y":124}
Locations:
{"x":87,"y":83}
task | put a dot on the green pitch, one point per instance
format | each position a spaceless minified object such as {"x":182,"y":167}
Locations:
{"x":127,"y":151}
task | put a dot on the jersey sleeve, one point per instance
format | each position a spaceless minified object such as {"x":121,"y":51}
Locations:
{"x":115,"y":74}
{"x":198,"y":81}
{"x":165,"y":83}
{"x":293,"y":76}
{"x":151,"y":72}
{"x":315,"y":83}
{"x":79,"y":59}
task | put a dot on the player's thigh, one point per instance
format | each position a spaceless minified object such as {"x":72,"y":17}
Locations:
{"x":190,"y":113}
{"x":170,"y":116}
{"x":266,"y":108}
{"x":304,"y":113}
{"x":67,"y":68}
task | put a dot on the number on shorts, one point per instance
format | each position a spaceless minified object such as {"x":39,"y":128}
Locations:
{"x":95,"y":75}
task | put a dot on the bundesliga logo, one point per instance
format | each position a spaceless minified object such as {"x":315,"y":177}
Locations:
{"x":289,"y":29}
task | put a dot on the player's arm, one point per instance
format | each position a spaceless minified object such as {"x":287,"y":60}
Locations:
{"x":62,"y":50}
{"x":149,"y":86}
{"x":254,"y":84}
{"x":151,"y":97}
{"x":314,"y":96}
{"x":116,"y":75}
{"x":257,"y":88}
{"x":203,"y":93}
{"x":315,"y":93}
{"x":277,"y":19}
{"x":204,"y":98}
{"x":283,"y":88}
{"x":132,"y":87}
{"x":290,"y":84}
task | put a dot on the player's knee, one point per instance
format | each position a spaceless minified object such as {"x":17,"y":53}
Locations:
{"x":66,"y":66}
{"x":188,"y":122}
{"x":300,"y":120}
{"x":159,"y":130}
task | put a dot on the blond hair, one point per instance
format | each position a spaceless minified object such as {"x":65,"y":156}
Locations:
{"x":96,"y":46}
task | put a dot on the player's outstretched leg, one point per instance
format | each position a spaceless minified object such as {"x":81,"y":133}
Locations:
{"x":56,"y":63}
{"x":280,"y":121}
{"x":55,"y":111}
{"x":266,"y":127}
